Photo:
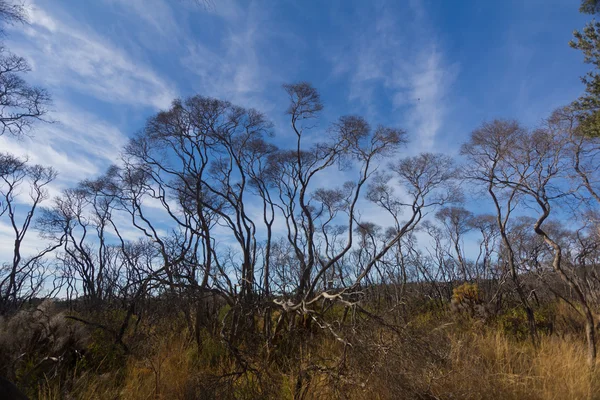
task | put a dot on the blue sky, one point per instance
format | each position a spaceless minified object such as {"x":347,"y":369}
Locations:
{"x":435,"y":68}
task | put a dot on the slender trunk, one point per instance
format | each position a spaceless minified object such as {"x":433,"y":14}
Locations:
{"x":590,"y":328}
{"x":502,"y":221}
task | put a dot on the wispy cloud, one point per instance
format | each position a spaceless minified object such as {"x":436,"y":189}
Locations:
{"x":79,"y":145}
{"x":67,"y":55}
{"x":234,"y":68}
{"x":399,"y":58}
{"x":427,"y":94}
{"x":81,"y":70}
{"x":156,"y":14}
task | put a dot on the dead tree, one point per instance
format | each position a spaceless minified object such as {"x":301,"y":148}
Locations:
{"x":487,"y":152}
{"x":23,"y":276}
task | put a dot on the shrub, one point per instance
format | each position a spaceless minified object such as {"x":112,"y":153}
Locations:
{"x":514,"y":322}
{"x":39,"y":342}
{"x":467,"y":298}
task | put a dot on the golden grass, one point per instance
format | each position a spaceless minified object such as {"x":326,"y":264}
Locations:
{"x":491,"y":365}
{"x":470,"y":363}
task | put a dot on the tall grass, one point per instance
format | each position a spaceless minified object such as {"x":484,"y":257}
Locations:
{"x":492,"y":365}
{"x":436,"y":355}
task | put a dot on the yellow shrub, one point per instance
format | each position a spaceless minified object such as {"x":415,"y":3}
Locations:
{"x":467,"y":292}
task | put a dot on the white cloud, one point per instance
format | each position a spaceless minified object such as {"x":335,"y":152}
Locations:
{"x":65,"y":55}
{"x":427,"y":96}
{"x":155,"y":13}
{"x":236,"y":69}
{"x":78,"y":146}
{"x":31,"y":246}
{"x":401,"y":60}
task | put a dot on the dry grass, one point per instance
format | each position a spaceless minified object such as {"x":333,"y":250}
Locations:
{"x":494,"y":366}
{"x":479,"y":366}
{"x":434,"y":358}
{"x":164,"y":374}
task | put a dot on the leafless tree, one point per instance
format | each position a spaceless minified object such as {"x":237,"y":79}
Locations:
{"x":488,"y":151}
{"x":532,"y":165}
{"x":540,"y":164}
{"x":20,"y":103}
{"x":488,"y":229}
{"x":12,"y":12}
{"x":22,"y":277}
{"x":457,"y":222}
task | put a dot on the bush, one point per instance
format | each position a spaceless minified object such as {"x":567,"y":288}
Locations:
{"x":513,"y":322}
{"x":467,"y":298}
{"x":38,"y":343}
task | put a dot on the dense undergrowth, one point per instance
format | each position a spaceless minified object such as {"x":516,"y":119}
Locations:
{"x":427,"y":351}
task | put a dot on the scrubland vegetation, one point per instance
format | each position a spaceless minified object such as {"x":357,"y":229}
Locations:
{"x":419,"y":349}
{"x":210,"y":262}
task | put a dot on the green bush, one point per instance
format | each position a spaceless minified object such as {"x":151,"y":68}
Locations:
{"x":514,"y":322}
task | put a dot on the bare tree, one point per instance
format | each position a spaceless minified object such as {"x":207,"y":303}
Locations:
{"x":12,"y":12}
{"x":488,"y":229}
{"x":20,"y":103}
{"x":23,"y":276}
{"x":488,"y":152}
{"x":457,"y":222}
{"x":539,"y":162}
